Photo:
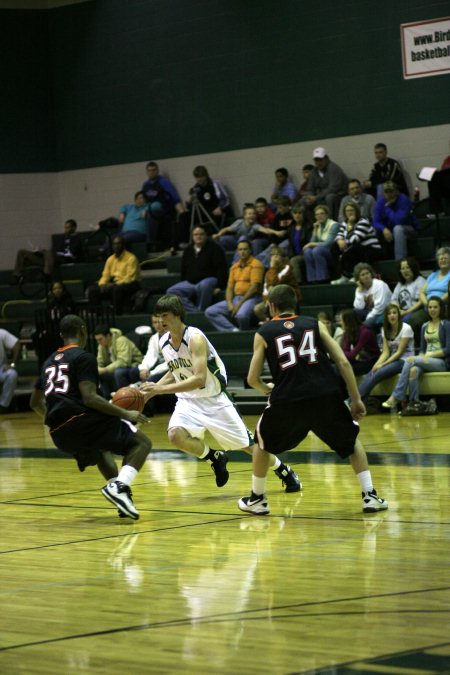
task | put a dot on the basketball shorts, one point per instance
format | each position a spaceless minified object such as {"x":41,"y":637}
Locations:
{"x":84,"y":436}
{"x":284,"y":425}
{"x":218,"y":415}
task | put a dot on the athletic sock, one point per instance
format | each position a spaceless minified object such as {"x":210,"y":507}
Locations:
{"x":277,"y":464}
{"x":258,"y":485}
{"x":365,"y":480}
{"x":207,"y":453}
{"x":127,"y":474}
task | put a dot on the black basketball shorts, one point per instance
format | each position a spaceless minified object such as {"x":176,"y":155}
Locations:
{"x":84,"y":436}
{"x":283,"y":425}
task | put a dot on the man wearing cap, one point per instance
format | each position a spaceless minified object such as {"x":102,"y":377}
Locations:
{"x":327,"y":183}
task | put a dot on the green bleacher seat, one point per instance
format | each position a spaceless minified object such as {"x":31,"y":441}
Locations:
{"x":388,"y":270}
{"x":422,"y":248}
{"x":313,"y":310}
{"x":28,"y":368}
{"x":159,"y":283}
{"x":241,"y":341}
{"x":89,"y":273}
{"x":236,"y":362}
{"x":328,"y":294}
{"x":128,"y":322}
{"x":21,"y":309}
{"x":5,"y":277}
{"x":199,"y":320}
{"x":173,"y":264}
{"x":139,"y":249}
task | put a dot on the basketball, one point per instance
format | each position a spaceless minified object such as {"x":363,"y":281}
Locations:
{"x":129,"y":398}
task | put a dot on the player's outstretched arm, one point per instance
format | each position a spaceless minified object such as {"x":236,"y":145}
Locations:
{"x":92,"y":400}
{"x":37,"y":402}
{"x":256,"y":366}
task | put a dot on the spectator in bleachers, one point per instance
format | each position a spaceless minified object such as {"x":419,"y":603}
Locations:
{"x":245,"y":282}
{"x":133,"y":220}
{"x":283,"y":187}
{"x":398,"y":344}
{"x":434,"y":356}
{"x":59,"y":301}
{"x":364,"y":201}
{"x":371,"y":297}
{"x":163,"y":203}
{"x":279,"y":272}
{"x":406,"y":293}
{"x":69,"y":250}
{"x":9,"y":355}
{"x":115,"y":353}
{"x":211,"y":195}
{"x":299,"y":234}
{"x":120,"y":277}
{"x":394,"y":219}
{"x":317,"y":252}
{"x":204,"y":272}
{"x":278,"y":231}
{"x":307,"y":170}
{"x":242,"y":228}
{"x":359,"y":342}
{"x":264,"y":214}
{"x":385,"y":169}
{"x":327,"y":183}
{"x":438,"y":188}
{"x":325,"y":319}
{"x":436,"y":285}
{"x":356,"y":241}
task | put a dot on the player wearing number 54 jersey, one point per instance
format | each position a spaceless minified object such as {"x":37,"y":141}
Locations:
{"x":198,"y":377}
{"x":304,"y":396}
{"x":84,"y":424}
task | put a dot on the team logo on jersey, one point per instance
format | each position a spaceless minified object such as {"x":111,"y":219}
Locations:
{"x":288,"y":325}
{"x":58,"y":357}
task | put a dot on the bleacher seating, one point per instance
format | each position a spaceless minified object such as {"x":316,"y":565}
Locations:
{"x":160,"y":271}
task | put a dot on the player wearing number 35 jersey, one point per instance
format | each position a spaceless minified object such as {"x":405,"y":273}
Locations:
{"x":84,"y":424}
{"x":305,"y":397}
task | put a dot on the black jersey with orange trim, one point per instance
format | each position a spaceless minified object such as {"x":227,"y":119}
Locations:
{"x":297,"y":359}
{"x":59,"y":380}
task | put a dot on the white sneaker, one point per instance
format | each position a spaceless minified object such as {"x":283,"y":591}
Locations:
{"x":256,"y":504}
{"x":371,"y":503}
{"x":341,"y":280}
{"x":120,"y":494}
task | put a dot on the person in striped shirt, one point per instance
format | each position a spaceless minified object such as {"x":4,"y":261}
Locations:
{"x":356,"y":241}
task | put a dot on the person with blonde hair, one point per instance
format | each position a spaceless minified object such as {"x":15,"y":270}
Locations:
{"x":317,"y":252}
{"x":434,"y":356}
{"x":398,"y":344}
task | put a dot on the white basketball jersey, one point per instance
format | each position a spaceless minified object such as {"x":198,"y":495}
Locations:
{"x":180,"y":365}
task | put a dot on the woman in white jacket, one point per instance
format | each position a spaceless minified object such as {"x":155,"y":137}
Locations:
{"x":372,"y":296}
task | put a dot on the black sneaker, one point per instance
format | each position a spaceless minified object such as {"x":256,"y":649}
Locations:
{"x":219,"y":466}
{"x":120,"y":494}
{"x":289,"y":478}
{"x":256,"y":504}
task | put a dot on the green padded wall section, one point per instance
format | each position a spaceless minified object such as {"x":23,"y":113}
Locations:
{"x":113,"y":82}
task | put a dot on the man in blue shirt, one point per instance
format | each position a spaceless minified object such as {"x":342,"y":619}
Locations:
{"x":133,"y":218}
{"x":162,"y":201}
{"x":394,"y":220}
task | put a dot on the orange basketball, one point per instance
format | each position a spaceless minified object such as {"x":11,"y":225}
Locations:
{"x":129,"y":398}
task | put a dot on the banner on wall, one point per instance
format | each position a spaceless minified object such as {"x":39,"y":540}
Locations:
{"x":425,"y":48}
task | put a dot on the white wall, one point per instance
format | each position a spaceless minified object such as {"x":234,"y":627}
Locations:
{"x":32,"y":206}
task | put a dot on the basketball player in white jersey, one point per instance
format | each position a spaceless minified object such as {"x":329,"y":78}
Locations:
{"x":198,"y":378}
